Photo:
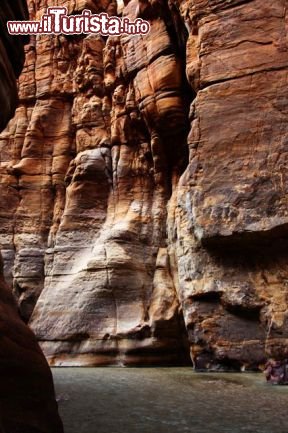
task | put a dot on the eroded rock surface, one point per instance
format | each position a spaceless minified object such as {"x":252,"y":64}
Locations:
{"x":231,"y":215}
{"x":27,"y":401}
{"x":147,"y":188}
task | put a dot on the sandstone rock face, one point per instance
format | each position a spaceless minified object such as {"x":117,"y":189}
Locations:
{"x":27,"y":402}
{"x":230,"y":221}
{"x":147,"y":188}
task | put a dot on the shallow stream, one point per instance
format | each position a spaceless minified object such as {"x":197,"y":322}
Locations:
{"x":168,"y":400}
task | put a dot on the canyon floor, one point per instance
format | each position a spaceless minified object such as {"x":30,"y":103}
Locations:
{"x":168,"y":400}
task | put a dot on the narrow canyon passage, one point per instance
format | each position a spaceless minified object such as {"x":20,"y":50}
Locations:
{"x":168,"y":400}
{"x":143,"y":219}
{"x":146,"y":177}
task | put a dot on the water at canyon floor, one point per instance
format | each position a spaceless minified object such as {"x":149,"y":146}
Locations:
{"x":168,"y":400}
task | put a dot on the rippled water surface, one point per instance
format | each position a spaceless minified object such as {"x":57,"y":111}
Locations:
{"x":168,"y":400}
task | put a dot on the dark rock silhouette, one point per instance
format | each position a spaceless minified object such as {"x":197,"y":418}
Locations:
{"x":27,"y":401}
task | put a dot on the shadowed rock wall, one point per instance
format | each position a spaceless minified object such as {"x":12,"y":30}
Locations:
{"x":12,"y":59}
{"x":27,"y":401}
{"x":147,"y":188}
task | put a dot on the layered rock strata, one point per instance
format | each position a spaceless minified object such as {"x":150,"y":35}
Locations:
{"x":231,"y":216}
{"x":121,"y":247}
{"x":27,"y":401}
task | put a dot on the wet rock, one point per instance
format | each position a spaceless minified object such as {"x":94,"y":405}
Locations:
{"x":276,"y":372}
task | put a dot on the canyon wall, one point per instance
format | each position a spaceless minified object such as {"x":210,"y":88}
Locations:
{"x":27,"y":401}
{"x":146,"y":187}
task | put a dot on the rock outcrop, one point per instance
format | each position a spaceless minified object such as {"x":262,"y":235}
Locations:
{"x":27,"y":401}
{"x":230,"y":222}
{"x":147,"y":188}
